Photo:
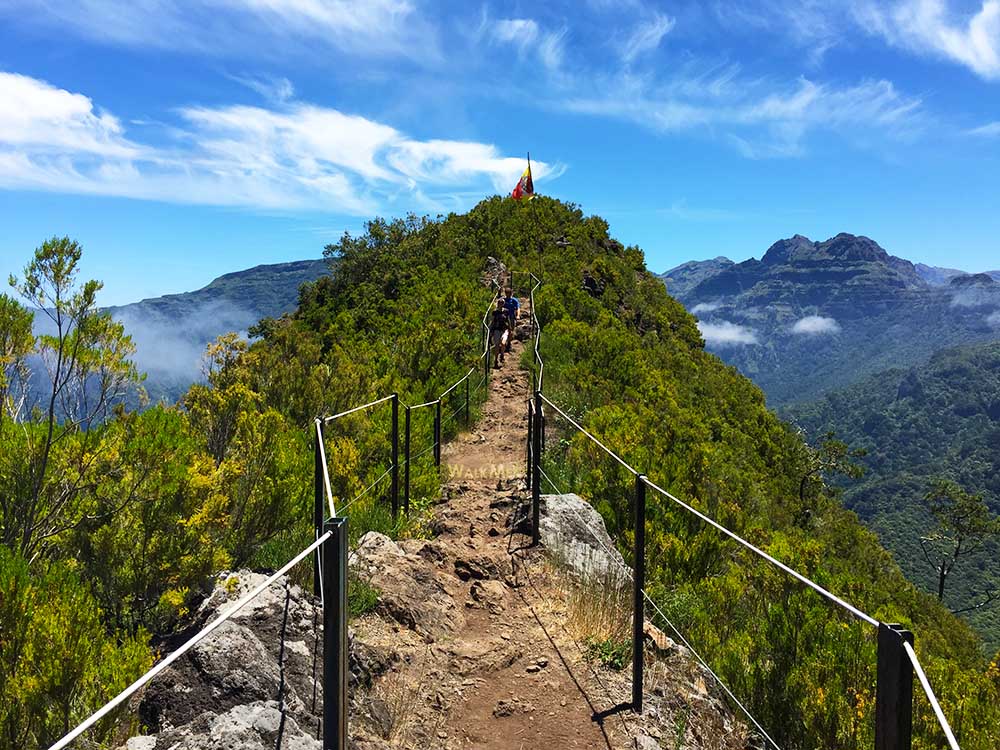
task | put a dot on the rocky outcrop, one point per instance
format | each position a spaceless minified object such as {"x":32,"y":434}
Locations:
{"x":574,"y":535}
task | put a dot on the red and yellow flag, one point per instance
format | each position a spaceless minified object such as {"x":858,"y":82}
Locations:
{"x":525,"y":188}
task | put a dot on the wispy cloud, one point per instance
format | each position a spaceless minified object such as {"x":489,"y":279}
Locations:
{"x":296,"y":156}
{"x":274,"y":89}
{"x":760,"y":117}
{"x":705,"y":307}
{"x":724,"y":333}
{"x":993,"y":319}
{"x":815,"y":325}
{"x":530,"y":40}
{"x":681,"y":210}
{"x":989,"y":130}
{"x":970,"y":38}
{"x":259,"y":28}
{"x":646,"y":36}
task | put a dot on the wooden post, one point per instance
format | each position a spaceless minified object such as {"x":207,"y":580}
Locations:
{"x":335,"y":636}
{"x":639,"y":581}
{"x":894,"y":690}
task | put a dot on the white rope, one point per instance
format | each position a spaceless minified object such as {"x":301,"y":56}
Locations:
{"x":421,"y":406}
{"x":453,"y":387}
{"x":777,"y":563}
{"x":326,"y":469}
{"x":613,"y":557}
{"x":605,"y":448}
{"x":187,"y":646}
{"x":358,"y":408}
{"x":945,"y":726}
{"x":366,"y":490}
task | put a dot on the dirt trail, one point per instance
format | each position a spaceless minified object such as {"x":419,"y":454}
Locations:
{"x":540,"y":694}
{"x":507,"y":675}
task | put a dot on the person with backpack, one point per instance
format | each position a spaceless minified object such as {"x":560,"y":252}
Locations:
{"x":499,"y":333}
{"x":512,"y":305}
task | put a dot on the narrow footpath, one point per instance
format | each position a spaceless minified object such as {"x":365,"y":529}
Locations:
{"x":502,"y":672}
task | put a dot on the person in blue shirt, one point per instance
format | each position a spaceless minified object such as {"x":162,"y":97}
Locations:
{"x":499,"y":333}
{"x":513,"y":307}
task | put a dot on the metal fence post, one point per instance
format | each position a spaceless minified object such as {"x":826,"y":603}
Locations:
{"x":536,"y":470}
{"x":527,"y":471}
{"x":406,"y":469}
{"x":437,"y":433}
{"x":394,"y":491}
{"x":335,"y":636}
{"x":467,"y":417}
{"x":317,"y":501}
{"x":894,"y":689}
{"x":639,"y":582}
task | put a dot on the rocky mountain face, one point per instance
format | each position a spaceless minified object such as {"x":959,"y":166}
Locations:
{"x":171,"y":332}
{"x":812,"y":316}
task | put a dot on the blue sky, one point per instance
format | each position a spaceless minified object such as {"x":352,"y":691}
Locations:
{"x":178,"y":141}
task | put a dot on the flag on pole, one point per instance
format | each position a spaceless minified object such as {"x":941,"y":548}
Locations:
{"x":525,"y":188}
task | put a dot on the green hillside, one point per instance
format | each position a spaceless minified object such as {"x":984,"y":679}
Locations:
{"x":938,"y":420}
{"x":225,"y":478}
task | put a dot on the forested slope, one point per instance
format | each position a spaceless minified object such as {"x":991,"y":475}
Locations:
{"x":916,"y":425}
{"x":225,"y":479}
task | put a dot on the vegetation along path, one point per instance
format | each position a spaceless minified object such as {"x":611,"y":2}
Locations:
{"x":508,"y":671}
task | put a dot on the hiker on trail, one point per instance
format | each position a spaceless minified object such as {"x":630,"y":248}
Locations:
{"x":499,"y":333}
{"x":513,"y":307}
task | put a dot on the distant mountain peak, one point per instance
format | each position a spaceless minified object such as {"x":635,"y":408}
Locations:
{"x":844,"y":246}
{"x":973,"y":279}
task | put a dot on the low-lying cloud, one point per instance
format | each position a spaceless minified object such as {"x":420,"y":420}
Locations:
{"x":815,"y":325}
{"x":725,"y":333}
{"x":170,"y":348}
{"x":705,"y":307}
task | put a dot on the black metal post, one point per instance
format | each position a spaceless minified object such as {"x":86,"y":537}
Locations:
{"x":639,"y":581}
{"x":335,"y":636}
{"x":527,"y":471}
{"x":536,"y":470}
{"x":394,"y":490}
{"x":467,"y":416}
{"x":437,"y":433}
{"x":406,"y":470}
{"x":894,"y":690}
{"x":541,"y":431}
{"x":317,"y":501}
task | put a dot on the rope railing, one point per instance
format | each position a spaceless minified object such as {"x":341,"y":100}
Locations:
{"x":932,"y":699}
{"x":369,"y":405}
{"x":897,"y":637}
{"x":628,"y":572}
{"x":128,"y":692}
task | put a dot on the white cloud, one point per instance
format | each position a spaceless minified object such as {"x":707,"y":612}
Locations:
{"x":725,"y":333}
{"x":262,"y":28}
{"x":970,"y":38}
{"x":705,"y":307}
{"x":760,"y":118}
{"x":989,"y":130}
{"x":299,"y":156}
{"x":529,"y":39}
{"x":273,"y":89}
{"x":994,"y":319}
{"x":646,"y":36}
{"x":815,"y":325}
{"x":34,"y":113}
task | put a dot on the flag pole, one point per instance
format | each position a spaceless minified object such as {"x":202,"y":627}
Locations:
{"x":534,"y":214}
